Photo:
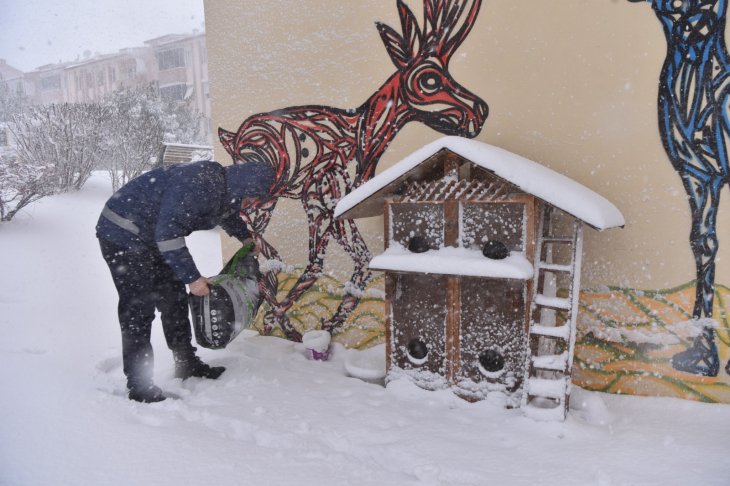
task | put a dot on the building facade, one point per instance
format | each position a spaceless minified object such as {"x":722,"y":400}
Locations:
{"x":15,"y":78}
{"x":176,"y":63}
{"x":180,"y":68}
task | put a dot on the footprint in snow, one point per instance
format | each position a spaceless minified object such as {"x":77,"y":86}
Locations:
{"x":109,"y":365}
{"x":427,"y":474}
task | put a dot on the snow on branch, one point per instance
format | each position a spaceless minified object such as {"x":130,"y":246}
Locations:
{"x":65,"y":136}
{"x":21,"y":183}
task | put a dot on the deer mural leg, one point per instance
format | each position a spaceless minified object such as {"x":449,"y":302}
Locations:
{"x":704,"y":197}
{"x":258,"y":219}
{"x":321,"y":220}
{"x":349,"y":238}
{"x":693,"y":123}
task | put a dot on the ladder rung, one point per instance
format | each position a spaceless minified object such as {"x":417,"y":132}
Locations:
{"x":545,"y":388}
{"x":556,"y":414}
{"x":554,"y":267}
{"x":552,"y":362}
{"x":561,"y":332}
{"x":557,"y":239}
{"x":552,"y":302}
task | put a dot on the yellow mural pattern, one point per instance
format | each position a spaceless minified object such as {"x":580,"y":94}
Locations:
{"x":365,"y":327}
{"x":626,"y":337}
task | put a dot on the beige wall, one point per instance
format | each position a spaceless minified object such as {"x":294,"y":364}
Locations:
{"x":571,"y":85}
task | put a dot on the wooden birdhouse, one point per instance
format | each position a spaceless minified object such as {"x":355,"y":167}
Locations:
{"x":482,"y":263}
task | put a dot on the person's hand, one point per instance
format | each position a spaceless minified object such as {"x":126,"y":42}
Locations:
{"x":256,"y":247}
{"x":200,"y":286}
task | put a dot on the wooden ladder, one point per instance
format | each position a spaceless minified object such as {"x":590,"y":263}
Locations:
{"x":546,"y":390}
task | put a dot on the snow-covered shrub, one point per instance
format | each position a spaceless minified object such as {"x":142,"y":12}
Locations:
{"x":182,"y":122}
{"x":22,"y":183}
{"x":138,"y":122}
{"x":133,"y":132}
{"x":122,"y":133}
{"x":65,"y":136}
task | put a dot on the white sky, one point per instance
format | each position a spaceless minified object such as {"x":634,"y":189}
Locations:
{"x":38,"y":32}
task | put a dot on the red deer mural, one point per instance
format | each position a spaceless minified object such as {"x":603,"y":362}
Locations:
{"x":310,"y":146}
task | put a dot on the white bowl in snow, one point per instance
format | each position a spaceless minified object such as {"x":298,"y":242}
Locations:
{"x":266,"y":347}
{"x":368,"y":365}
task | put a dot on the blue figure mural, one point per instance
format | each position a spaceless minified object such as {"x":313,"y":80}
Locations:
{"x":694,"y":94}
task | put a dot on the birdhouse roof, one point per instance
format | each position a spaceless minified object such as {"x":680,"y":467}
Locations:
{"x":528,"y":176}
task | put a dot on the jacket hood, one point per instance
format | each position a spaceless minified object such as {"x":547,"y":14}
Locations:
{"x":250,"y":179}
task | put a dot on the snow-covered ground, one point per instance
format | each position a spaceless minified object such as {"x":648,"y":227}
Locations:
{"x":64,"y":418}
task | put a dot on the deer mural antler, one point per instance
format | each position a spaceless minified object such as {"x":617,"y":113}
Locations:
{"x":311,"y":146}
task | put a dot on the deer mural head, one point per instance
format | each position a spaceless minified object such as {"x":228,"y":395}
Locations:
{"x":422,"y":59}
{"x":421,"y":90}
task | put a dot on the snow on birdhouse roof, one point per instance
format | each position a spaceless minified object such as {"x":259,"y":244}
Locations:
{"x":531,"y":177}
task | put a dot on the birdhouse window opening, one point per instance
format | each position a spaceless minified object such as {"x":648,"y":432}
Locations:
{"x":417,"y":351}
{"x":491,"y":336}
{"x":491,"y":363}
{"x":409,"y":221}
{"x":481,"y":223}
{"x":418,"y":339}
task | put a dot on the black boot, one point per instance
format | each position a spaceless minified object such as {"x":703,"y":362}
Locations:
{"x":145,"y":393}
{"x":187,"y":366}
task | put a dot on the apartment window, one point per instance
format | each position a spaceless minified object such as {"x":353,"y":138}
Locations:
{"x":17,"y":86}
{"x":171,"y":59}
{"x":100,"y":78}
{"x":89,"y":80}
{"x":131,"y":71}
{"x":176,"y":92}
{"x":206,"y":90}
{"x":77,"y":82}
{"x":203,"y":54}
{"x":113,"y":74}
{"x":51,"y":82}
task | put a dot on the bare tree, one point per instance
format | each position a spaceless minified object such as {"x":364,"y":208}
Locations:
{"x":66,"y":136}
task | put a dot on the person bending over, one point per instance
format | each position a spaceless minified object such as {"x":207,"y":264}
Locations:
{"x":142,"y":231}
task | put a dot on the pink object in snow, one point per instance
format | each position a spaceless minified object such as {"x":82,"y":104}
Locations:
{"x":318,"y":356}
{"x":317,"y":344}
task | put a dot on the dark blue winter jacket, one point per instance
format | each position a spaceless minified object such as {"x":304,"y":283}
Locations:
{"x":157,"y":210}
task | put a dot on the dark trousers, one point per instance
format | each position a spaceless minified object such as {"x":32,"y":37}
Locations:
{"x":144,"y":282}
